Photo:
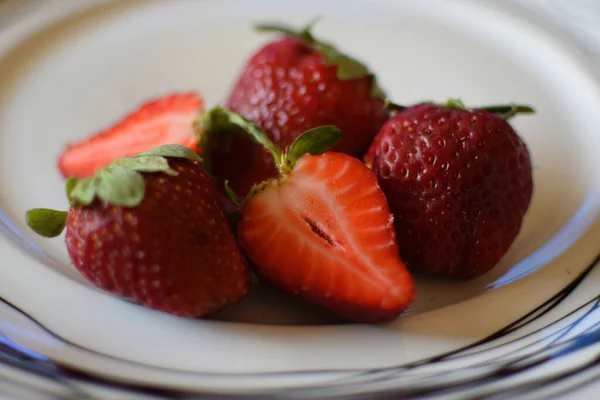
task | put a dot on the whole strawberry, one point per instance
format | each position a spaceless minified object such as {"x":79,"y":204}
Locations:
{"x":458,"y":182}
{"x":323,"y":230}
{"x":150,"y":229}
{"x":289,"y":86}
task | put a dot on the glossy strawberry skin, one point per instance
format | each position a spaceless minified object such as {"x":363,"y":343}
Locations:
{"x":174,"y":252}
{"x":325,"y":233}
{"x":286,"y":89}
{"x":459,"y":184}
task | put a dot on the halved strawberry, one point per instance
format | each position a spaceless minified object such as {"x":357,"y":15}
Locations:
{"x":323,"y":230}
{"x":167,"y":120}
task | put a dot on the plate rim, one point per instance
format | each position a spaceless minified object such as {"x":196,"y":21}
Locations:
{"x":2,"y":30}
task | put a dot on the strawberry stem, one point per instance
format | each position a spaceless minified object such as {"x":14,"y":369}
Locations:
{"x":505,"y":111}
{"x":509,"y":111}
{"x":304,"y":34}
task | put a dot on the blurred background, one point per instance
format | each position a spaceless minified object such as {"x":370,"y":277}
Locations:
{"x":579,"y":20}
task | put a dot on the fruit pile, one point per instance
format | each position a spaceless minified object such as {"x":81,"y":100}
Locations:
{"x":308,"y":175}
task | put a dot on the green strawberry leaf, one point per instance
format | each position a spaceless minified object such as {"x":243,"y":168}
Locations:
{"x":455,"y":103}
{"x":146,"y":163}
{"x":505,"y":111}
{"x":70,"y":185}
{"x":220,"y":119}
{"x":304,"y":35}
{"x":120,"y":186}
{"x":509,"y":111}
{"x":121,"y":183}
{"x":348,"y":68}
{"x":173,"y":150}
{"x":83,"y":192}
{"x":314,"y":141}
{"x":231,"y":194}
{"x":46,"y":222}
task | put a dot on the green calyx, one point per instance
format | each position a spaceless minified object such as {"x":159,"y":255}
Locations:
{"x":305,"y":34}
{"x":223,"y":121}
{"x":314,"y":141}
{"x":220,"y":119}
{"x":121,"y":184}
{"x":505,"y":111}
{"x":508,"y":111}
{"x":46,"y":222}
{"x":348,"y":68}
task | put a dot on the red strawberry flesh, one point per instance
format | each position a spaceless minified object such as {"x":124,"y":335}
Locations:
{"x":168,"y":120}
{"x":325,"y":233}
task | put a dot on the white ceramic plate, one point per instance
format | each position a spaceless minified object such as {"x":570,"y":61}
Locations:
{"x":69,"y":68}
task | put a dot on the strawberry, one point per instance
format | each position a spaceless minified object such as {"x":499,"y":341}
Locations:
{"x":458,"y":182}
{"x":150,"y":229}
{"x":289,"y":86}
{"x":322,"y":229}
{"x":167,"y":120}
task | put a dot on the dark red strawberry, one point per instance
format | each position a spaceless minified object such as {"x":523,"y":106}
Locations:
{"x":167,"y":120}
{"x":289,"y":86}
{"x":150,"y":229}
{"x":458,"y":181}
{"x":323,"y":230}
